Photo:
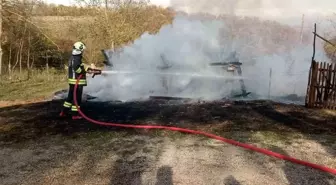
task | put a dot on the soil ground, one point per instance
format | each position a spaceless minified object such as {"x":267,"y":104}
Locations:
{"x":37,"y":147}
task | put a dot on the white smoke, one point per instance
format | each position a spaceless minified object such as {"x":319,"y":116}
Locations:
{"x":190,"y":45}
{"x":289,"y":72}
{"x":266,"y":9}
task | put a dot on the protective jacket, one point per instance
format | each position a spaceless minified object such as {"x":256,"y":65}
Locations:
{"x":76,"y":67}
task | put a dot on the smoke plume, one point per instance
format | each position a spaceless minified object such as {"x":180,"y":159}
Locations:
{"x":184,"y":50}
{"x":218,"y":7}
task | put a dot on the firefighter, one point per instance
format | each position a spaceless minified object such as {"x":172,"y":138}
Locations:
{"x":75,"y":68}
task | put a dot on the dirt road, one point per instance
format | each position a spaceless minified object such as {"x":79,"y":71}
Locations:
{"x":36,"y":147}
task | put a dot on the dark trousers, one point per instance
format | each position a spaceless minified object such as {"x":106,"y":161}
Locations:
{"x":69,"y":103}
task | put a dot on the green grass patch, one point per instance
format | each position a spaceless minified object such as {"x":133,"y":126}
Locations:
{"x":41,"y":85}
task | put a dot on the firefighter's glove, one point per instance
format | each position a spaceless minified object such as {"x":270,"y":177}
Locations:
{"x":89,"y":70}
{"x":94,"y":72}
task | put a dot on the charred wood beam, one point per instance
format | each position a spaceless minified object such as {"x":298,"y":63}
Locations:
{"x":225,"y":63}
{"x":168,"y":98}
{"x":106,"y":62}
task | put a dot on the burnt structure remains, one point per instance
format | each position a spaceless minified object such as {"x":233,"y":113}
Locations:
{"x":233,"y":65}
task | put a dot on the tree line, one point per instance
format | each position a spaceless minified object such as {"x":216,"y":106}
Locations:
{"x":36,"y":35}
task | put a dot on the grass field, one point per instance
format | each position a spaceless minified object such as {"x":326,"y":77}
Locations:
{"x":40,"y":86}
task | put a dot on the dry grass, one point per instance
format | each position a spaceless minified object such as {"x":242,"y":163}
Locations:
{"x":329,"y":112}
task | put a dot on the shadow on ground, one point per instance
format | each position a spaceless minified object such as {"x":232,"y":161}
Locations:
{"x":164,"y":176}
{"x":231,"y":180}
{"x":91,"y":158}
{"x":296,"y":174}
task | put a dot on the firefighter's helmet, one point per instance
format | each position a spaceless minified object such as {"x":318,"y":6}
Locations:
{"x":78,"y":47}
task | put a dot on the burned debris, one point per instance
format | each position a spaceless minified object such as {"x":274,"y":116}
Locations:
{"x":232,"y":65}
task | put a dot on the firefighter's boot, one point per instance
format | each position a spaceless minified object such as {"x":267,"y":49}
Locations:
{"x":77,"y":117}
{"x":62,"y":114}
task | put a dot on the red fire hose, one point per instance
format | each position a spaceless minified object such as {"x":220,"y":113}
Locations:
{"x":250,"y":147}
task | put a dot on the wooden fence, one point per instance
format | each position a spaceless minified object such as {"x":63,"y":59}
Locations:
{"x":321,"y":89}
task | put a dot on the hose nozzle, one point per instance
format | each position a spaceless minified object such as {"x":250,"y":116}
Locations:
{"x":94,"y":72}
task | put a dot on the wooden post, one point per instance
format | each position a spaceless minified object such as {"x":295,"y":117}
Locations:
{"x":313,"y":58}
{"x":318,"y":85}
{"x":308,"y":87}
{"x":312,"y":89}
{"x":333,"y":99}
{"x":312,"y":77}
{"x":328,"y":87}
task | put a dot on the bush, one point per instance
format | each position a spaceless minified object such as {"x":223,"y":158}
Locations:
{"x":331,"y":50}
{"x":37,"y":35}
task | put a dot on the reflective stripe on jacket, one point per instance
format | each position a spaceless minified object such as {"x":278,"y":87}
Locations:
{"x":76,"y":67}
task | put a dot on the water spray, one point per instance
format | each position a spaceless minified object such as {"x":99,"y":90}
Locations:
{"x":230,"y":66}
{"x":195,"y":75}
